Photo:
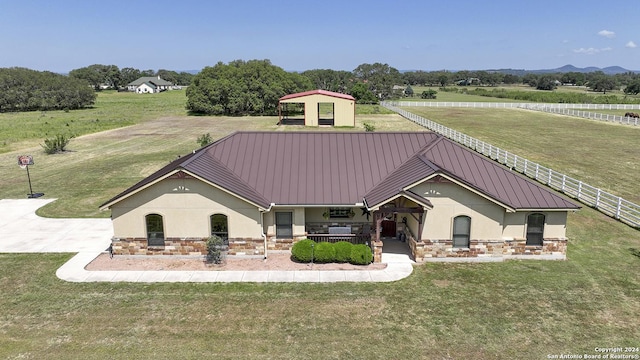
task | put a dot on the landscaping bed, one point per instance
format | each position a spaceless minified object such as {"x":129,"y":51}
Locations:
{"x":276,"y":261}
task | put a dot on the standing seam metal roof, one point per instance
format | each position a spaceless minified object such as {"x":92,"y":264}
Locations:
{"x":343,"y":168}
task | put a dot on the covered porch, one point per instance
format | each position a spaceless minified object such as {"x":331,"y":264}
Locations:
{"x":398,"y":222}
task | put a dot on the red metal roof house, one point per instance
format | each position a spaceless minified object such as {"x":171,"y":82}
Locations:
{"x":265,"y":190}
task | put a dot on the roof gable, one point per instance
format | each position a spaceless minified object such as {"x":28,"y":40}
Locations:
{"x":492,"y":178}
{"x":473,"y":171}
{"x":318,"y":92}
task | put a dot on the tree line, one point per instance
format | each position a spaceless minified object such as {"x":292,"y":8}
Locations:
{"x":23,"y":89}
{"x":596,"y":81}
{"x":254,"y":87}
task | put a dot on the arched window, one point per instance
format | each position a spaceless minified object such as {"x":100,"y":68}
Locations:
{"x":535,"y":229}
{"x":461,"y":231}
{"x":220,"y":226}
{"x":155,"y":230}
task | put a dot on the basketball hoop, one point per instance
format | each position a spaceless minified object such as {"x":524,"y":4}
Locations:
{"x":24,"y":161}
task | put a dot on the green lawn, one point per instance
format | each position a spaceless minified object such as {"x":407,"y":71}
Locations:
{"x":511,"y":310}
{"x":601,"y":154}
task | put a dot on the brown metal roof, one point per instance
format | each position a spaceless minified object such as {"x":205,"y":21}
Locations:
{"x":492,"y":178}
{"x":342,"y":168}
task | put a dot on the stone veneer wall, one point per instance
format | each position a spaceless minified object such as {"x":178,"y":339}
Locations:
{"x":430,"y":249}
{"x":172,"y":246}
{"x":197,"y":246}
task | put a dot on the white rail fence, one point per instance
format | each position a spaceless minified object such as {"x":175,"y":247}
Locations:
{"x":626,"y":120}
{"x":609,"y":204}
{"x":513,"y":105}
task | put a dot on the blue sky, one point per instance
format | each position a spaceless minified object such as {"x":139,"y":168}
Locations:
{"x":61,"y":35}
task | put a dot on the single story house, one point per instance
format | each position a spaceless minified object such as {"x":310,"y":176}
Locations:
{"x":262,"y":191}
{"x":149,"y":85}
{"x":341,"y":108}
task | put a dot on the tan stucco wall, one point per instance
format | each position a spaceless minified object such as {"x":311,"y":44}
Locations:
{"x":489,"y":220}
{"x":344,"y":109}
{"x":185,"y":205}
{"x":554,"y":228}
{"x":450,"y":200}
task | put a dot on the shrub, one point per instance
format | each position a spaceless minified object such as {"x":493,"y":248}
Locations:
{"x":369,"y":127}
{"x":361,"y":255}
{"x":215,"y":247}
{"x":204,"y":140}
{"x":343,"y":251}
{"x":324,"y":252}
{"x":302,"y":250}
{"x":56,"y":144}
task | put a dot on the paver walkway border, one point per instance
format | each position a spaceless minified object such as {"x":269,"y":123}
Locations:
{"x":74,"y":271}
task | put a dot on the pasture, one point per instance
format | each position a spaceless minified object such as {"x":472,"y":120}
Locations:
{"x":515,"y":309}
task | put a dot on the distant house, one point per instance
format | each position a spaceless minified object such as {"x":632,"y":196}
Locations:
{"x":263,"y":191}
{"x":399,"y":90}
{"x":149,"y":84}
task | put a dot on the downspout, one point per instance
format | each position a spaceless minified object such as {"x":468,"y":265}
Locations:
{"x":264,"y":236}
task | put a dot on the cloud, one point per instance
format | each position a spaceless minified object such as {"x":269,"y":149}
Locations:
{"x":631,"y":45}
{"x":591,"y":51}
{"x":607,"y":34}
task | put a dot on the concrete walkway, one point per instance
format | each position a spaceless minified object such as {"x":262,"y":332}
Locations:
{"x":21,"y":230}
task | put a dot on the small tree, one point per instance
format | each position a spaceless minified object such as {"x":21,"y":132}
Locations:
{"x":408,"y":91}
{"x":215,"y":247}
{"x":204,"y":140}
{"x":633,"y":88}
{"x":429,"y":94}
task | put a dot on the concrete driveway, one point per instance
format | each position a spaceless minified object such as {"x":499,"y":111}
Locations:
{"x":22,"y":231}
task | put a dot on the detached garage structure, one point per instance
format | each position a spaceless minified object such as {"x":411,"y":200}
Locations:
{"x":341,"y":108}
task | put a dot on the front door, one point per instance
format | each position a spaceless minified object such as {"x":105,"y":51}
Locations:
{"x":388,"y":228}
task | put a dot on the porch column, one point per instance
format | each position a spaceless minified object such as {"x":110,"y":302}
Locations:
{"x":378,"y":216}
{"x":377,"y":244}
{"x":420,"y":218}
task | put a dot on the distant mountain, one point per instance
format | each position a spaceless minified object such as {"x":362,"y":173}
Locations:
{"x":610,"y":70}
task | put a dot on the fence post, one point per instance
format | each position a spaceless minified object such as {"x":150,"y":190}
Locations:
{"x":618,"y":208}
{"x":537,"y":170}
{"x":598,"y":198}
{"x":564,"y":180}
{"x":579,"y":190}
